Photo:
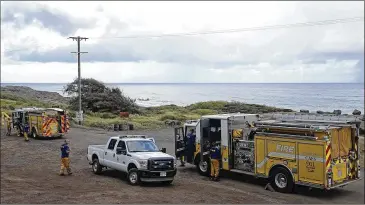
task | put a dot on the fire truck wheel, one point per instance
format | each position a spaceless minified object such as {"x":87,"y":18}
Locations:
{"x":204,"y":167}
{"x":281,"y":180}
{"x":34,"y":133}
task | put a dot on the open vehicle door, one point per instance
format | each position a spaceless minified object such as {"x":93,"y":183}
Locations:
{"x":180,"y":142}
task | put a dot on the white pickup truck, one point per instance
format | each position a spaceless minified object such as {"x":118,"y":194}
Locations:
{"x":136,"y":155}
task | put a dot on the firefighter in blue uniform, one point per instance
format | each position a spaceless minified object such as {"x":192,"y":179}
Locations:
{"x":190,"y":145}
{"x":65,"y":160}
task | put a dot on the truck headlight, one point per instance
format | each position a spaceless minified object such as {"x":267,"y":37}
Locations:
{"x":175,"y":163}
{"x":143,"y":164}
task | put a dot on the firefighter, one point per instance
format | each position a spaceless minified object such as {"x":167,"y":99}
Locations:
{"x":25,"y":132}
{"x":190,"y":145}
{"x":215,"y":155}
{"x":65,"y":160}
{"x":8,"y":125}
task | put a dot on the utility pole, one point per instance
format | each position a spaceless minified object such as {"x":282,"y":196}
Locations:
{"x":78,"y":39}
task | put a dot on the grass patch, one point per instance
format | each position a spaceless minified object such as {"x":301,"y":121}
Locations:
{"x":155,"y":117}
{"x":10,"y":102}
{"x":149,"y":117}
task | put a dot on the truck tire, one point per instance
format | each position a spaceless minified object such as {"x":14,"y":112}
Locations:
{"x":167,"y":182}
{"x":203,"y":167}
{"x":97,"y":168}
{"x":34,"y":133}
{"x":281,"y":180}
{"x":133,"y":177}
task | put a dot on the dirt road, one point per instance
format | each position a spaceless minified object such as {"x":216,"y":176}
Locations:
{"x":29,"y":174}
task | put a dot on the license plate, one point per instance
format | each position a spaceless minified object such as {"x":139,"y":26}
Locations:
{"x":162,"y":174}
{"x":339,"y":173}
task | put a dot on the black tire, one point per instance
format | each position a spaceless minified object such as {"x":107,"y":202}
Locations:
{"x":167,"y":182}
{"x":281,"y":180}
{"x":133,"y":177}
{"x":203,"y":169}
{"x":96,"y":167}
{"x":34,"y":133}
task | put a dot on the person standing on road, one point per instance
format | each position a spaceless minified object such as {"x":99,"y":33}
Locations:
{"x":215,"y":155}
{"x":25,"y":132}
{"x":8,"y":125}
{"x":65,"y":160}
{"x":190,"y":145}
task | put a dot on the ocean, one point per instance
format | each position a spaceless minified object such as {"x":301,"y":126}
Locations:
{"x":313,"y":97}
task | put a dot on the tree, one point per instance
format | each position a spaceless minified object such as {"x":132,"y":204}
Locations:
{"x":97,"y":97}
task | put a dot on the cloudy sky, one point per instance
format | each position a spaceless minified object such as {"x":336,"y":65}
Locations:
{"x":35,"y":48}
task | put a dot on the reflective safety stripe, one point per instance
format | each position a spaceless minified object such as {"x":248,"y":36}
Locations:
{"x":63,"y":130}
{"x":67,"y":123}
{"x":44,"y":131}
{"x":300,"y":157}
{"x":283,"y":155}
{"x":328,"y":156}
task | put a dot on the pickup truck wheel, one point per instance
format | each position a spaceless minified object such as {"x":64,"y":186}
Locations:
{"x":96,"y":166}
{"x":133,"y":177}
{"x":281,"y":180}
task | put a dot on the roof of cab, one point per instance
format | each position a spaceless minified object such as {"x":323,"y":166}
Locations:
{"x":25,"y":109}
{"x":228,"y":115}
{"x":30,"y":109}
{"x":56,"y":109}
{"x":131,"y":137}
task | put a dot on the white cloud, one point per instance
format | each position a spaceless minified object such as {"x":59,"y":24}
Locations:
{"x":154,"y":72}
{"x":255,"y":56}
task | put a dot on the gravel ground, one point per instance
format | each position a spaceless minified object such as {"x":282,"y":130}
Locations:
{"x":29,"y":174}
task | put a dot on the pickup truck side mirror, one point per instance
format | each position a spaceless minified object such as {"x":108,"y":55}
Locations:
{"x":121,"y":151}
{"x":163,"y":150}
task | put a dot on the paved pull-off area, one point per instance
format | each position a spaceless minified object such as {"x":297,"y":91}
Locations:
{"x":29,"y":174}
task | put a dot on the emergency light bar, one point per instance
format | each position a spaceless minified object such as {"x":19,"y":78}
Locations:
{"x":132,"y":136}
{"x":137,"y":136}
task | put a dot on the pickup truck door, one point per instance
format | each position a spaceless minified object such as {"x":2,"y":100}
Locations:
{"x":121,"y":159}
{"x":109,"y":153}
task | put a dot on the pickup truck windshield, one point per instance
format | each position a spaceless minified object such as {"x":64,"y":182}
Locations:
{"x":142,"y":146}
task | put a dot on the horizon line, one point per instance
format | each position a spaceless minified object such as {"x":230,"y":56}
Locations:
{"x":192,"y":83}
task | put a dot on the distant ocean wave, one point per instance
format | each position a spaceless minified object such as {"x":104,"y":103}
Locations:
{"x":313,"y":97}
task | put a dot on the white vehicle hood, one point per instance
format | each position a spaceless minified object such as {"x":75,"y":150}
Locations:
{"x":148,"y":155}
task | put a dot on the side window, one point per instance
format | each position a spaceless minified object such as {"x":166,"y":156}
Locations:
{"x":112,"y":144}
{"x":122,"y":145}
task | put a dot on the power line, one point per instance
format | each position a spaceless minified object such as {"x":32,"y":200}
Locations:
{"x":272,"y":27}
{"x":79,"y":39}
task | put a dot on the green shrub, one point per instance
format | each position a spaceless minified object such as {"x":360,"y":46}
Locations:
{"x":107,"y":115}
{"x":71,"y":113}
{"x":212,"y":105}
{"x":205,"y":112}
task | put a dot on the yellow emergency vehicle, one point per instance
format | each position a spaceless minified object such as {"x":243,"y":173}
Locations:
{"x":41,"y":122}
{"x":314,"y":153}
